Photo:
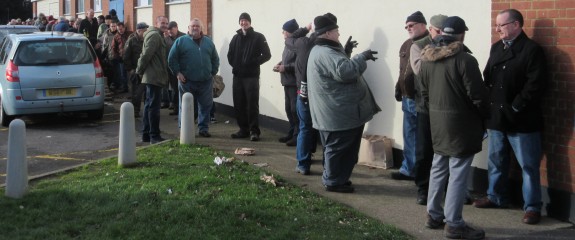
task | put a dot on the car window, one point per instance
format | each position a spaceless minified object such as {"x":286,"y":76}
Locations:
{"x":5,"y":50}
{"x":5,"y":31}
{"x":52,"y":52}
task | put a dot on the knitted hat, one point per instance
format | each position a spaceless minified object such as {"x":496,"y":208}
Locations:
{"x":416,"y":17}
{"x":290,"y":26}
{"x":142,"y":25}
{"x":245,"y":16}
{"x":324,"y":24}
{"x":437,"y":20}
{"x":454,"y":25}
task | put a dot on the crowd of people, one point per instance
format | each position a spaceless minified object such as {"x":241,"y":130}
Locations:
{"x":450,"y":106}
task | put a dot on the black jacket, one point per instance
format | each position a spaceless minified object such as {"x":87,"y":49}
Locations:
{"x":247,"y":52}
{"x":90,"y":30}
{"x":302,"y":45}
{"x":516,"y":78}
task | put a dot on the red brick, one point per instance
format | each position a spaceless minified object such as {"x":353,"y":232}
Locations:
{"x":565,"y":31}
{"x":521,"y":6}
{"x":548,"y":14}
{"x":570,"y":41}
{"x":563,"y":67}
{"x":543,"y":4}
{"x":538,"y":31}
{"x":544,"y":41}
{"x":560,"y":4}
{"x":568,"y":13}
{"x":498,"y":6}
{"x":568,"y":23}
{"x":564,"y":58}
{"x":529,"y":14}
{"x":539,"y":23}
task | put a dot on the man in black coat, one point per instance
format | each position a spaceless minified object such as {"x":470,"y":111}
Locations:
{"x":89,"y":27}
{"x":516,"y":74}
{"x":248,"y":50}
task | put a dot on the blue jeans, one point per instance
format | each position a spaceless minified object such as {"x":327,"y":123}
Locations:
{"x":527,"y":149}
{"x":340,"y":154}
{"x":151,"y":118}
{"x":307,"y":136}
{"x":409,"y":133}
{"x":202,"y":91}
{"x":121,"y":76}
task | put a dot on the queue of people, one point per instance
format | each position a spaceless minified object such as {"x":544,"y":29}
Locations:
{"x":450,"y":106}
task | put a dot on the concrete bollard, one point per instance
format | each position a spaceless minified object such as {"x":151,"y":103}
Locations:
{"x":127,"y":150}
{"x":187,"y":131}
{"x":17,"y":165}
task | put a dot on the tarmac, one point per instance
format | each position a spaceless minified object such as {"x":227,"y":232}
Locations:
{"x":376,"y":194}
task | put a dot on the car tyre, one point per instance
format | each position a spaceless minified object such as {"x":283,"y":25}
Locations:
{"x":96,"y":114}
{"x":4,"y":118}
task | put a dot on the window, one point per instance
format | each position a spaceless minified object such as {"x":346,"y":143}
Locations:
{"x":142,"y":3}
{"x":97,"y":5}
{"x":5,"y":50}
{"x":80,"y":6}
{"x":51,"y":52}
{"x":66,"y":6}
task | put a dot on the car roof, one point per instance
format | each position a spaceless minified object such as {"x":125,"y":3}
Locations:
{"x":18,"y":26}
{"x":47,"y":35}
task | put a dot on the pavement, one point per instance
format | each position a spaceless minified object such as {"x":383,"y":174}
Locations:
{"x":376,"y":194}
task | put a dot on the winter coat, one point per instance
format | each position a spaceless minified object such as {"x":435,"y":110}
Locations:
{"x":405,"y":85}
{"x":417,"y":48}
{"x":454,"y":93}
{"x":195,"y":62}
{"x":516,"y":78}
{"x":117,"y":46}
{"x":153,"y":64}
{"x":247,"y":52}
{"x":302,"y":45}
{"x":339,"y":96}
{"x":90,"y":30}
{"x":62,"y":27}
{"x":288,"y":78}
{"x":132,"y":51}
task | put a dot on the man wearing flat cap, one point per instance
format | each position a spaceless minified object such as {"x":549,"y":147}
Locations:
{"x":457,"y":101}
{"x":247,"y":51}
{"x":132,"y":51}
{"x":336,"y":88}
{"x":286,"y":68}
{"x":415,"y":25}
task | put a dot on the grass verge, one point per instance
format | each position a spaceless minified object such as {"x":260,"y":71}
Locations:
{"x":177,"y":192}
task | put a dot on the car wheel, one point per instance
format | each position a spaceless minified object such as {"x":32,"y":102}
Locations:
{"x":96,"y":114}
{"x":4,"y":118}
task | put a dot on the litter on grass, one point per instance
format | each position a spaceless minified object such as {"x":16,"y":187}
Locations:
{"x":270,"y":179}
{"x":222,"y":160}
{"x":245,"y":151}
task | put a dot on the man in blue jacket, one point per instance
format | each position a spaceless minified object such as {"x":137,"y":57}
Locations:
{"x":194,"y":60}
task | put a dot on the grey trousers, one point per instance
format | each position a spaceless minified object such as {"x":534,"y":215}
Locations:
{"x":456,"y":170}
{"x":340,"y":153}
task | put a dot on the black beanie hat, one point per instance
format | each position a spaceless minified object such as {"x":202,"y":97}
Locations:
{"x":324,"y":24}
{"x":331,"y":16}
{"x":290,"y":26}
{"x":245,"y":16}
{"x":416,"y":17}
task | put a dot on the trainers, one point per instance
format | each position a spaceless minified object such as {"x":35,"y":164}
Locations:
{"x":340,"y":189}
{"x":485,"y":203}
{"x":531,"y":217}
{"x":157,"y":140}
{"x":400,"y":176}
{"x":205,"y":134}
{"x":213,"y":120}
{"x":292,"y":142}
{"x":302,"y":170}
{"x":239,"y":134}
{"x":465,"y":232}
{"x":433,"y":224}
{"x":254,"y":137}
{"x":285,"y":139}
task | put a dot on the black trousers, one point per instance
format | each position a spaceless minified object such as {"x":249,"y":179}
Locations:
{"x":246,"y":96}
{"x":423,"y":153}
{"x":291,"y":110}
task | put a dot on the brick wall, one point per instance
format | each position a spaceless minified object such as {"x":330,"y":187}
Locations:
{"x":159,"y":9}
{"x":202,"y":9}
{"x":551,"y":23}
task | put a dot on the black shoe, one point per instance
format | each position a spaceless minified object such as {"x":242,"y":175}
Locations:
{"x":136,"y":114}
{"x":400,"y":176}
{"x":205,"y":134}
{"x":145,"y":138}
{"x":171,"y":106}
{"x":292,"y":142}
{"x":347,"y":183}
{"x":157,"y":140}
{"x":239,"y":134}
{"x":285,"y":139}
{"x":465,"y":232}
{"x":422,"y":199}
{"x":340,"y":189}
{"x":302,"y":170}
{"x":213,"y":120}
{"x":173,"y":113}
{"x":468,"y":200}
{"x":433,"y":224}
{"x":164,"y":105}
{"x":254,"y":137}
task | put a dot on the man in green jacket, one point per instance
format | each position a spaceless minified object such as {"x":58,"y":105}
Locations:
{"x":194,"y":60}
{"x":152,"y":69}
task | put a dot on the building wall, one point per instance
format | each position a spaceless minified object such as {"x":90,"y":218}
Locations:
{"x":144,"y":15}
{"x":48,"y":7}
{"x":180,"y":13}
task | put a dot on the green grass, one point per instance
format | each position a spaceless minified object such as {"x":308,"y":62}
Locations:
{"x":103,"y":201}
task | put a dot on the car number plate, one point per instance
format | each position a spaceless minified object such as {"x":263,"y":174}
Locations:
{"x":60,"y":92}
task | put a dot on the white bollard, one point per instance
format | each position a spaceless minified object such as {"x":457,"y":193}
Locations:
{"x":127,"y":150}
{"x":187,"y":131}
{"x":17,"y":165}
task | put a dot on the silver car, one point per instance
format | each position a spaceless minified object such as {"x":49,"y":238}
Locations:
{"x":49,"y":72}
{"x":8,"y":29}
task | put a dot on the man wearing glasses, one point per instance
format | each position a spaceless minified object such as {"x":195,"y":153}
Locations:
{"x":516,"y":77}
{"x":416,"y":27}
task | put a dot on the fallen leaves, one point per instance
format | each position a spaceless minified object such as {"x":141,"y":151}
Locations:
{"x":270,"y":179}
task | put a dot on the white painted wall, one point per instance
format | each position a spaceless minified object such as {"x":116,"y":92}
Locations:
{"x":375,"y":24}
{"x":180,"y":13}
{"x":48,"y":7}
{"x":144,"y":14}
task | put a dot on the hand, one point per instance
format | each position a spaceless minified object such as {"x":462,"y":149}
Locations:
{"x":181,"y":77}
{"x":369,"y":54}
{"x":308,"y":26}
{"x":398,"y":95}
{"x":276,"y":68}
{"x":281,"y":68}
{"x":349,"y":46}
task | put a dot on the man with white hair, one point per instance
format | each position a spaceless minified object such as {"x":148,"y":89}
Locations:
{"x":62,"y":25}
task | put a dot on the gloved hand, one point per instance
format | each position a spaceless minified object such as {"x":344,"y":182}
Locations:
{"x":349,"y":46}
{"x":398,"y":95}
{"x":369,"y":54}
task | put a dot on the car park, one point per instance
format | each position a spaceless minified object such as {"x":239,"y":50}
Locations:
{"x":49,"y":72}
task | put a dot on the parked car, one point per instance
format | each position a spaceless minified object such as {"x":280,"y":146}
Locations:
{"x":9,"y":29}
{"x":49,"y":72}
